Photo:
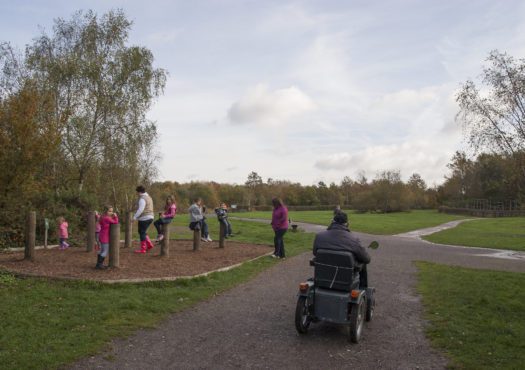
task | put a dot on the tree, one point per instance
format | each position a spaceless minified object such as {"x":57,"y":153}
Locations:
{"x":417,"y":191}
{"x":462,"y":174}
{"x":29,"y":137}
{"x":388,"y":191}
{"x":496,"y":121}
{"x":346,"y":188}
{"x":253,"y":180}
{"x":253,"y":183}
{"x":102,"y":88}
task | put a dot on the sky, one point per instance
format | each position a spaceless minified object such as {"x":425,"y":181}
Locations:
{"x":305,"y":91}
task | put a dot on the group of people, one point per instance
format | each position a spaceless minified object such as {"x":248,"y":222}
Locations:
{"x":144,"y":215}
{"x":336,"y":237}
{"x":197,"y":212}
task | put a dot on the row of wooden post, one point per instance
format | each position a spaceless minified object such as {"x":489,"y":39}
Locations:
{"x":114,"y":237}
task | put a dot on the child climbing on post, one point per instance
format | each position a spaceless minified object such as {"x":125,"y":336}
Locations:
{"x":170,"y":209}
{"x":222,"y":216}
{"x":198,"y":220}
{"x":108,"y":218}
{"x":63,"y":234}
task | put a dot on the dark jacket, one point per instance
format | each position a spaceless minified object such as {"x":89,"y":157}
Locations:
{"x":339,"y":238}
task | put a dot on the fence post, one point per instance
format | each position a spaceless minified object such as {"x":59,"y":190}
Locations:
{"x":46,"y":229}
{"x":114,"y":245}
{"x":128,"y":235}
{"x":90,"y":231}
{"x":222,"y":232}
{"x":196,"y":239}
{"x":165,"y":244}
{"x":29,"y":252}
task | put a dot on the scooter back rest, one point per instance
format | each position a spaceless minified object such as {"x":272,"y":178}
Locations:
{"x":335,"y":270}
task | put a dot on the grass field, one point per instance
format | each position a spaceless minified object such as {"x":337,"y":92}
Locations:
{"x":46,"y":324}
{"x":476,"y":316}
{"x":498,"y":233}
{"x":371,"y":223}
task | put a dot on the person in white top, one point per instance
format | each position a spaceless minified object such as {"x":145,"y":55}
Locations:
{"x":144,"y":216}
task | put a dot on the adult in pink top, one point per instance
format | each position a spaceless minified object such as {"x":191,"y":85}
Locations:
{"x":280,"y":226}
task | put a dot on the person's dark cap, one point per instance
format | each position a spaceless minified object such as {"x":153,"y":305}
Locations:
{"x":341,"y":218}
{"x":140,"y":189}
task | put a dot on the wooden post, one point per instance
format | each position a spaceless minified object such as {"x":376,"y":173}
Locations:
{"x":222,"y":232}
{"x":46,"y":229}
{"x":114,"y":245}
{"x":165,"y":244}
{"x":90,"y":231}
{"x":29,"y":253}
{"x":128,"y":234}
{"x":196,"y":240}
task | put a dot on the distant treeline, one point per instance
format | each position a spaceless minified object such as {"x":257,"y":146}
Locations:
{"x":490,"y":176}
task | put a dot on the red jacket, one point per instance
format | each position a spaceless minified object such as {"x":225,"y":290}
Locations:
{"x":105,"y":222}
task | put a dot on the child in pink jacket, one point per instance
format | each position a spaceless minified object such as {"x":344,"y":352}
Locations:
{"x":63,"y":234}
{"x":170,"y":210}
{"x":108,"y":218}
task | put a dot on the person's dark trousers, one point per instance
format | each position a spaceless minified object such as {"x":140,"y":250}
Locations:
{"x":143,"y":228}
{"x":278,"y":242}
{"x":204,"y":228}
{"x":158,"y":224}
{"x":227,"y":227}
{"x":363,"y":278}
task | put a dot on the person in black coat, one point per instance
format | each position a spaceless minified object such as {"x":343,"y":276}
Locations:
{"x":338,"y":237}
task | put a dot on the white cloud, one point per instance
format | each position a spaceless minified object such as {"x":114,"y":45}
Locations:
{"x":274,"y":108}
{"x":428,"y":158}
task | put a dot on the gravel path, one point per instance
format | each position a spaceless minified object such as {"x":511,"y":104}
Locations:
{"x":251,"y":326}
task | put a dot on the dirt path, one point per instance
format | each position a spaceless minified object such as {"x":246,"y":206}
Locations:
{"x":251,"y":326}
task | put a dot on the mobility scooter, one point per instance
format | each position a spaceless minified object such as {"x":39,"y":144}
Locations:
{"x":333,"y":294}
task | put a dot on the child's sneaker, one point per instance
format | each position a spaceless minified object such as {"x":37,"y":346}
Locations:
{"x":208,"y":239}
{"x":160,"y":237}
{"x":204,"y":239}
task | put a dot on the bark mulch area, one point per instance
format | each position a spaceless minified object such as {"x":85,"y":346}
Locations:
{"x":76,"y":263}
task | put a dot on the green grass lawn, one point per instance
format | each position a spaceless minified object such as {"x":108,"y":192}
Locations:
{"x":370,"y":223}
{"x":498,"y":233}
{"x":47,"y":324}
{"x":476,"y":316}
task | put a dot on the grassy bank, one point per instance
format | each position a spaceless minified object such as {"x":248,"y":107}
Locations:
{"x":498,"y":233}
{"x":476,"y":316}
{"x":370,"y":223}
{"x":46,"y":324}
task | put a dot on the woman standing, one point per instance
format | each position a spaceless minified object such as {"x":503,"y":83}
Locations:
{"x":279,"y":225}
{"x":144,"y":215}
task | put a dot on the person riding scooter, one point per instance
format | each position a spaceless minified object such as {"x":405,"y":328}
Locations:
{"x":338,"y":237}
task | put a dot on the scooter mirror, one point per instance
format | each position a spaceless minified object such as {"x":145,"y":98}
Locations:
{"x":374,"y":245}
